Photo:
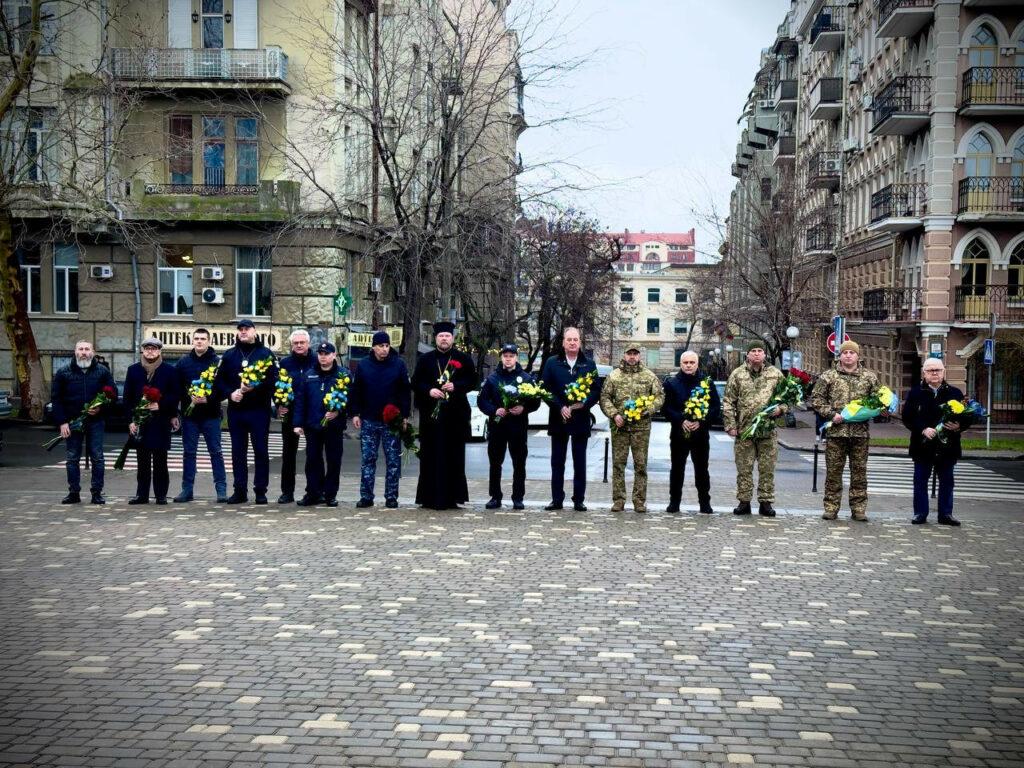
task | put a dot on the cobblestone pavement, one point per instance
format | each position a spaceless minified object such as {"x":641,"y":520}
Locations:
{"x":196,"y":635}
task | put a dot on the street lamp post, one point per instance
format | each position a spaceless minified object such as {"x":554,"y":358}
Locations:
{"x":792,"y":334}
{"x":614,"y":244}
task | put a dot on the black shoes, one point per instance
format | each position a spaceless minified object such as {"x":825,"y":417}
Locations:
{"x":161,"y":499}
{"x":139,"y":500}
{"x":743,"y":508}
{"x":391,"y":503}
{"x":285,"y":498}
{"x":672,"y":508}
{"x":97,"y":498}
{"x":308,"y":501}
{"x":182,"y":497}
{"x":238,"y":497}
{"x":493,"y":503}
{"x":949,"y":521}
{"x":73,"y":497}
{"x":553,"y":506}
{"x":518,"y":505}
{"x":364,"y":503}
{"x":330,"y":502}
{"x":261,"y":498}
{"x":765,"y":509}
{"x":579,"y":506}
{"x":919,"y":520}
{"x":705,"y":509}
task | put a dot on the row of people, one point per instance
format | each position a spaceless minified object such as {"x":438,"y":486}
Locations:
{"x":438,"y":389}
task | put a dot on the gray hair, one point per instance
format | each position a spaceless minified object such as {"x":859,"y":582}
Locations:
{"x":298,"y":334}
{"x":941,"y":365}
{"x":689,"y":352}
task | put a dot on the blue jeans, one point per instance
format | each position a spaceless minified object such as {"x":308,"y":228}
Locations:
{"x":371,"y":435}
{"x":242,"y":426}
{"x":922,"y":474}
{"x":191,"y":429}
{"x":91,"y":435}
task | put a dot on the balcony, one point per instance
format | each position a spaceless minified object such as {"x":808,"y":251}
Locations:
{"x":820,"y":239}
{"x":992,"y":91}
{"x":738,"y":170}
{"x":784,"y":150}
{"x":902,"y":18}
{"x":976,"y":303}
{"x":903,"y":106}
{"x":265,"y":201}
{"x":898,"y":207}
{"x":890,"y":305}
{"x":785,"y":96}
{"x":826,"y":99}
{"x":991,"y":198}
{"x":218,"y":69}
{"x":823,"y":169}
{"x":828,"y":29}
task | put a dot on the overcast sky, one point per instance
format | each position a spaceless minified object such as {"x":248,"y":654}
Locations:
{"x":671,"y":78}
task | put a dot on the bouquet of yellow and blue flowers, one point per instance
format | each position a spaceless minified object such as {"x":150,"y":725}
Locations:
{"x":284,"y":391}
{"x":522,"y":393}
{"x":635,"y":409}
{"x":698,"y":403}
{"x":253,"y":374}
{"x":201,"y":387}
{"x":866,"y":408}
{"x":964,"y":412}
{"x":336,"y":398}
{"x":788,"y":392}
{"x":579,"y":390}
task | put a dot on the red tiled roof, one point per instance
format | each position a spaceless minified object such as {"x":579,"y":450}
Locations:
{"x":669,"y":238}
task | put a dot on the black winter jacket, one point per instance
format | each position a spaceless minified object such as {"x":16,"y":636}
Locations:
{"x":156,"y":432}
{"x":72,"y":388}
{"x":310,"y":391}
{"x":677,"y":391}
{"x":555,"y":376}
{"x":188,"y":368}
{"x":378,"y":383}
{"x":922,"y":410}
{"x":490,"y":400}
{"x":228,"y":377}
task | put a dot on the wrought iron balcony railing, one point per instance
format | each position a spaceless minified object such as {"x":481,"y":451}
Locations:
{"x":191,"y":64}
{"x":820,"y":237}
{"x":991,"y":194}
{"x":993,"y":86}
{"x":830,"y":18}
{"x":903,"y":94}
{"x":899,"y":201}
{"x":892,"y":305}
{"x":823,"y":168}
{"x":976,"y":303}
{"x":887,"y":8}
{"x":204,"y":190}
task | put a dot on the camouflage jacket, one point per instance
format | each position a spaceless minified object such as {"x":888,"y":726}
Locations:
{"x":834,"y":389}
{"x":628,"y":382}
{"x":748,"y":392}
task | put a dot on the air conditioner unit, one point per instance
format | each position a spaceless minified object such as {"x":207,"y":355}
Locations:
{"x":766,"y":103}
{"x":851,"y":145}
{"x":832,"y":165}
{"x":101,"y":271}
{"x":213,"y":273}
{"x":374,"y":285}
{"x":213,"y":295}
{"x":385,"y":314}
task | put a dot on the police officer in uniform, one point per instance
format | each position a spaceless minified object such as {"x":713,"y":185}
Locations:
{"x":324,"y":443}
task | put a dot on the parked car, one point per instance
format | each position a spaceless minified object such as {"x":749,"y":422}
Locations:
{"x":117,"y":417}
{"x":718,"y":423}
{"x":478,"y":428}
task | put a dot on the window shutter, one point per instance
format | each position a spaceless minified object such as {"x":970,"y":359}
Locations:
{"x":179,"y":23}
{"x":246,"y":24}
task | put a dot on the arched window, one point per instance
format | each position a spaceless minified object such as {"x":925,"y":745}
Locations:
{"x":1015,"y":273}
{"x":980,"y":156}
{"x":1017,"y":159}
{"x":984,"y":47}
{"x":974,"y":268}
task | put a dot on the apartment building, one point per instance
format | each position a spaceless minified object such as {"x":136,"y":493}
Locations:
{"x":908,"y":150}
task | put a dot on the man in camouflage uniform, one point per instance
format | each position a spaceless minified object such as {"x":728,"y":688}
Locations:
{"x":835,"y":388}
{"x":748,"y":390}
{"x":628,"y":382}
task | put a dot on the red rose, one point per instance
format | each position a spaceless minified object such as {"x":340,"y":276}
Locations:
{"x":110,"y":393}
{"x":152,"y":394}
{"x":391,"y":413}
{"x":803,"y":376}
{"x":455,"y":364}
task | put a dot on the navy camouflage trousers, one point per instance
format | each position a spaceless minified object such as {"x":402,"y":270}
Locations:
{"x":371,"y":435}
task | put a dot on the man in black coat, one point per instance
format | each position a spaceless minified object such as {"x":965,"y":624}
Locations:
{"x":689,"y":436}
{"x":569,"y":420}
{"x":297,"y":363}
{"x":440,"y":383}
{"x":248,"y":412}
{"x":508,"y":426}
{"x":153,"y":438}
{"x":202,"y":421}
{"x":325,"y":442}
{"x":922,"y":413}
{"x":75,"y":386}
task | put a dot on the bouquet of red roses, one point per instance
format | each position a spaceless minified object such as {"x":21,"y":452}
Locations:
{"x":140,"y":415}
{"x":106,"y":396}
{"x":444,"y":378}
{"x":398,"y":425}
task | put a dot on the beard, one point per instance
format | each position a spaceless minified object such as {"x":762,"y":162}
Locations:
{"x":83,"y":362}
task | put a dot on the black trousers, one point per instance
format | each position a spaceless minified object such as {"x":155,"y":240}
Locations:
{"x":698,"y":448}
{"x":513,"y":441}
{"x":152,"y":466}
{"x":324,"y":448}
{"x":289,"y":446}
{"x":559,"y":448}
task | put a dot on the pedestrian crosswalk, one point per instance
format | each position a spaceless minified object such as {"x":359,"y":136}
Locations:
{"x":894,"y":476}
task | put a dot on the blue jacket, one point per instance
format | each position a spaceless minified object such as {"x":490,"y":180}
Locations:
{"x":188,"y":368}
{"x":490,"y":399}
{"x":156,"y":432}
{"x":555,"y":376}
{"x":378,"y":383}
{"x":72,"y":388}
{"x":921,"y":410}
{"x":310,"y":391}
{"x":228,"y":380}
{"x":677,"y":391}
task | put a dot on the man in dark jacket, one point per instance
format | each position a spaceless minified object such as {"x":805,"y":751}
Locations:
{"x":153,"y":438}
{"x":298,"y":363}
{"x":689,"y":436}
{"x":323,"y":442}
{"x":922,"y":413}
{"x":508,"y":426}
{"x":203,"y":419}
{"x":248,"y":412}
{"x":569,"y":420}
{"x":381,"y":379}
{"x":75,"y":386}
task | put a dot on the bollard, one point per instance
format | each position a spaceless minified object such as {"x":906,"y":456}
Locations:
{"x":814,"y":482}
{"x":605,"y":461}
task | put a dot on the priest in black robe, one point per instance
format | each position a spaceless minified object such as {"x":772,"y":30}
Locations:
{"x":442,"y":481}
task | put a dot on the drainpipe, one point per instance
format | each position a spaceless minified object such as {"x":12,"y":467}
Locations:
{"x":841,"y":208}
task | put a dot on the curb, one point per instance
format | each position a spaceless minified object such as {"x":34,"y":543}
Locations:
{"x":889,"y":451}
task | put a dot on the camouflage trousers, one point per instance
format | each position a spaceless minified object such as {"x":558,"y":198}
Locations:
{"x":836,"y":451}
{"x":764,"y":451}
{"x":624,"y":442}
{"x":371,"y":435}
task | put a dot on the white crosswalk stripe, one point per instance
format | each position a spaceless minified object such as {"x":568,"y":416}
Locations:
{"x":175,"y":455}
{"x":894,"y":476}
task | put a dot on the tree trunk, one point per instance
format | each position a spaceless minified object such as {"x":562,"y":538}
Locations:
{"x":411,"y":318}
{"x":28,"y":370}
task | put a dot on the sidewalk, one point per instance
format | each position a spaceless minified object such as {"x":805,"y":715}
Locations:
{"x":801,"y":438}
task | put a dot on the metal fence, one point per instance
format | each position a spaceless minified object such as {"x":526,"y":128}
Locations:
{"x":902,"y":200}
{"x":906,"y":93}
{"x":199,"y":64}
{"x":993,"y":85}
{"x":985,"y":194}
{"x":976,"y":303}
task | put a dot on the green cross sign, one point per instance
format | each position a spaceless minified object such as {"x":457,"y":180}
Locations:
{"x":342,"y":301}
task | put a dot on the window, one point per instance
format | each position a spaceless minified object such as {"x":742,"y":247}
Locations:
{"x":252,"y":282}
{"x":984,"y":48}
{"x":65,"y":277}
{"x":653,"y":325}
{"x":180,"y":149}
{"x":33,"y":144}
{"x":766,"y":189}
{"x":707,"y":327}
{"x":626,"y":326}
{"x":213,"y":151}
{"x":653,"y":295}
{"x":626,"y":294}
{"x":1015,"y":273}
{"x":174,"y":279}
{"x":30,"y":268}
{"x":681,"y":328}
{"x":213,"y":23}
{"x":18,"y":14}
{"x":247,"y":151}
{"x":682,"y":296}
{"x":980,"y":157}
{"x":974,"y":268}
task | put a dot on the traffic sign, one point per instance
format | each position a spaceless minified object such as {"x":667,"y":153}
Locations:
{"x":831,"y":341}
{"x":990,"y":351}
